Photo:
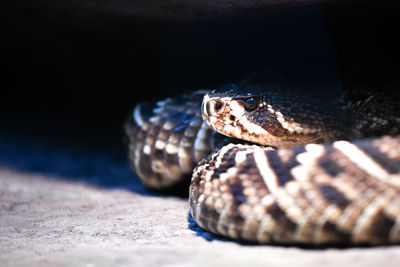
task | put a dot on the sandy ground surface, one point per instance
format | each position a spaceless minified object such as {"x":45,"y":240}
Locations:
{"x":77,"y":203}
{"x":48,"y":222}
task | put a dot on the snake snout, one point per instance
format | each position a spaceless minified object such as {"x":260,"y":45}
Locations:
{"x":211,"y":107}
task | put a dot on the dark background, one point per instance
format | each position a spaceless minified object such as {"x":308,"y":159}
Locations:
{"x":72,"y":71}
{"x":92,"y":65}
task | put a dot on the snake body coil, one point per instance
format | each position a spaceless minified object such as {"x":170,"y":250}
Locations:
{"x":287,"y":189}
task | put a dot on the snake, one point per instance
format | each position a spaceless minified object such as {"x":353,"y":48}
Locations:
{"x":276,"y":166}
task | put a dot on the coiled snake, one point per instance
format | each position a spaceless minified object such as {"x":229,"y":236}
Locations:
{"x":280,"y":186}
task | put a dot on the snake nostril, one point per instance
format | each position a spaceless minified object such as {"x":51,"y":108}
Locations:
{"x":218,"y":106}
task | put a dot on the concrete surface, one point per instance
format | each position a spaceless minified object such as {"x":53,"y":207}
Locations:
{"x":73,"y":214}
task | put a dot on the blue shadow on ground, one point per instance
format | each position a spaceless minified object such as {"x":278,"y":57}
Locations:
{"x":201,"y":232}
{"x":211,"y":237}
{"x":70,"y":159}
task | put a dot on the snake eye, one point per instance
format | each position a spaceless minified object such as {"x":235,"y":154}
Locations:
{"x":250,"y":104}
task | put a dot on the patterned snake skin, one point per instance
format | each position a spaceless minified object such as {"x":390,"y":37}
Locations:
{"x":286,"y":189}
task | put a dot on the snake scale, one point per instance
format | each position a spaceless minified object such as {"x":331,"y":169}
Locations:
{"x":272,"y":167}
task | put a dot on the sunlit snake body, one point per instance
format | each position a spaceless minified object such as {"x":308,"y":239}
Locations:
{"x":334,"y":192}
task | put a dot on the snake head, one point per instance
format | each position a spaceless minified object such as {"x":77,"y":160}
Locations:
{"x":228,"y":113}
{"x":263,"y":118}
